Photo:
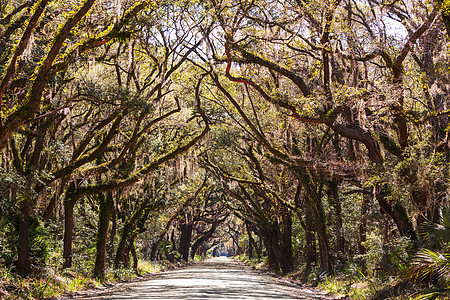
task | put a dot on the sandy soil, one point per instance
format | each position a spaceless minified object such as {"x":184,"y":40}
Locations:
{"x":214,"y":278}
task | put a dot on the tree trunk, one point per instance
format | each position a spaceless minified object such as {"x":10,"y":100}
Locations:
{"x":250,"y":227}
{"x":112,"y":234}
{"x":154,"y":251}
{"x":126,"y":236}
{"x":310,"y":241}
{"x":236,"y":248}
{"x":185,"y":240}
{"x":121,"y":248}
{"x":134,"y":254}
{"x":126,"y":257}
{"x":106,"y":209}
{"x":313,"y":205}
{"x":69,"y":204}
{"x":250,"y":248}
{"x":321,"y":229}
{"x":268,"y":238}
{"x":24,"y":262}
{"x":340,"y":240}
{"x":285,"y":256}
{"x":363,"y":225}
{"x":324,"y":249}
{"x":49,"y":211}
{"x":397,"y":213}
{"x":251,"y":241}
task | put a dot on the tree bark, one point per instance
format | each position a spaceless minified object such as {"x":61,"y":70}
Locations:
{"x":121,"y":248}
{"x":363,"y":225}
{"x":69,"y":205}
{"x":316,"y":205}
{"x":134,"y":254}
{"x":285,"y":256}
{"x":340,"y":240}
{"x":268,"y":239}
{"x":24,"y":262}
{"x":185,"y":240}
{"x":397,"y":212}
{"x":310,"y":243}
{"x":106,"y":209}
{"x":251,"y":241}
{"x":48,"y":213}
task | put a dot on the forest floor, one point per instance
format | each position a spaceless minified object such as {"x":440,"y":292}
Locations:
{"x":213,"y":278}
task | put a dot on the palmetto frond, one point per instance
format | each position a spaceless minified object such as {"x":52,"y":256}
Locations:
{"x":435,"y":230}
{"x":434,"y":294}
{"x":428,"y":263}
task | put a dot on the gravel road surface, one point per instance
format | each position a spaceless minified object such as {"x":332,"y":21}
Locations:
{"x":214,"y":278}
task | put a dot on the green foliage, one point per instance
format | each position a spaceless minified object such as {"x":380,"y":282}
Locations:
{"x":342,"y":287}
{"x":386,"y":259}
{"x":445,"y":6}
{"x":121,"y":274}
{"x":42,"y":246}
{"x":355,"y":270}
{"x":427,"y":264}
{"x":145,"y":267}
{"x":168,"y":251}
{"x":198,"y":257}
{"x":432,"y":266}
{"x":316,"y":276}
{"x":10,"y":181}
{"x":255,"y":263}
{"x":433,"y":294}
{"x":435,"y":231}
{"x":8,"y":244}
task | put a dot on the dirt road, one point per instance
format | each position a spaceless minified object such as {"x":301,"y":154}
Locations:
{"x":214,"y":278}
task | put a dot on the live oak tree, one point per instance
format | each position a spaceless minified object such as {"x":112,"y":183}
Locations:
{"x":330,"y":71}
{"x":311,"y":60}
{"x":73,"y":104}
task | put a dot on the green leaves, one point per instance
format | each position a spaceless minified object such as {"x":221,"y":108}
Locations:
{"x":435,"y":230}
{"x":428,"y":263}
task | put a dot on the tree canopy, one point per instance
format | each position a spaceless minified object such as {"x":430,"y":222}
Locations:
{"x":310,"y":133}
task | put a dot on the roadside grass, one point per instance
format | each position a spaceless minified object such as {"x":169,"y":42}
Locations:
{"x":198,"y":257}
{"x":146,"y":267}
{"x":15,"y":287}
{"x":343,"y":287}
{"x":352,"y":285}
{"x":371,"y":287}
{"x":255,"y":263}
{"x":52,"y":282}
